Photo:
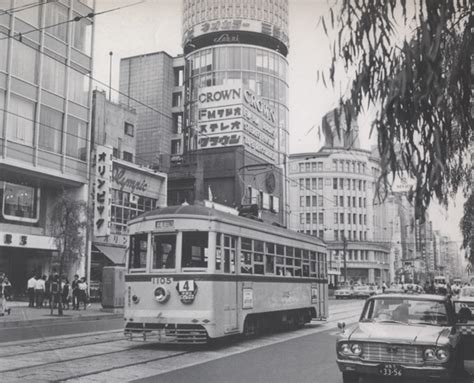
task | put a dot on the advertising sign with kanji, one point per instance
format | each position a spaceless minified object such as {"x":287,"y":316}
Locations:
{"x":103,"y":172}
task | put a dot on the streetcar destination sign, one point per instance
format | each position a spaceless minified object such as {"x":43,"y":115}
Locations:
{"x":164,"y":225}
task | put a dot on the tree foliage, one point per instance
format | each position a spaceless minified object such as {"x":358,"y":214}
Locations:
{"x":69,"y":218}
{"x":411,"y":61}
{"x":467,"y":227}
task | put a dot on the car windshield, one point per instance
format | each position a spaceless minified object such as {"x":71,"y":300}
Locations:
{"x":405,"y":310}
{"x":467,"y":292}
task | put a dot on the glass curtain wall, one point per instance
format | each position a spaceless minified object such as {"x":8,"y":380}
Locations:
{"x":264,"y":71}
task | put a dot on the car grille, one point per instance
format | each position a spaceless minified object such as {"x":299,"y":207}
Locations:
{"x":393,"y":353}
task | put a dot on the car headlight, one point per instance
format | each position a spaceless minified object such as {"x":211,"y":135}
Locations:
{"x":429,"y":353}
{"x":356,"y":349}
{"x":442,"y":355}
{"x":135,"y":299}
{"x":345,"y":349}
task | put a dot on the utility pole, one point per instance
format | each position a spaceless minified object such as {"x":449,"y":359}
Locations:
{"x":344,"y":243}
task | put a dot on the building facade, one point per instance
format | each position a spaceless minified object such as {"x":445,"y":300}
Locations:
{"x":236,"y":105}
{"x":152,"y":84}
{"x":121,"y":189}
{"x":45,"y":105}
{"x":332,"y":197}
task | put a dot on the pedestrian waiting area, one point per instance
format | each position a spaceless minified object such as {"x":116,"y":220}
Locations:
{"x":20,"y":314}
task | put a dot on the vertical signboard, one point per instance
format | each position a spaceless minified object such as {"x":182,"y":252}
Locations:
{"x":103,"y":170}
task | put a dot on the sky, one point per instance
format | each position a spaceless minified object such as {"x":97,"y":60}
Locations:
{"x":156,"y":25}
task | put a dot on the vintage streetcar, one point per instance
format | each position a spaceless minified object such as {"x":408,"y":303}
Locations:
{"x":196,"y":273}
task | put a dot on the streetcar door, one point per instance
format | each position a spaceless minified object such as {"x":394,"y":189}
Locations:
{"x":229,"y":285}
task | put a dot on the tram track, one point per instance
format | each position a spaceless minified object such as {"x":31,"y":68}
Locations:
{"x":7,"y":349}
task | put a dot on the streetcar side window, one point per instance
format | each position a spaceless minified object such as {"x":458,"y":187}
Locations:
{"x":225,"y":252}
{"x":258,"y":266}
{"x":246,"y":256}
{"x":138,"y":251}
{"x":164,"y":251}
{"x":195,"y":249}
{"x":269,"y":258}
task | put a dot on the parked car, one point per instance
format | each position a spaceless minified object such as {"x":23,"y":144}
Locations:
{"x":344,"y":293}
{"x":400,"y":335}
{"x":364,"y":291}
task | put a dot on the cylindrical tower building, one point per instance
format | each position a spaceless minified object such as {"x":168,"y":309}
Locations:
{"x":238,"y":48}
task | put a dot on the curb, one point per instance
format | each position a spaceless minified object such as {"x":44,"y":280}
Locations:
{"x":56,"y":319}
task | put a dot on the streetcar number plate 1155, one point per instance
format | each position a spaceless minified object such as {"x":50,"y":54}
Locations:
{"x":390,"y":370}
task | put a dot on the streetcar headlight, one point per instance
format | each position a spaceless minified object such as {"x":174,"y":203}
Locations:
{"x":429,"y":353}
{"x":356,"y":349}
{"x":442,"y":355}
{"x":161,"y":294}
{"x":135,"y":299}
{"x":345,"y":349}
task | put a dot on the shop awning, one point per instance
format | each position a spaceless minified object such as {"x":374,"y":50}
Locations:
{"x":116,"y":254}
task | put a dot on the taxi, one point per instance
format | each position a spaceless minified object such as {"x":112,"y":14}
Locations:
{"x":402,"y":335}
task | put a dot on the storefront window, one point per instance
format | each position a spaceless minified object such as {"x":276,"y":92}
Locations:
{"x":20,"y":120}
{"x":20,"y":202}
{"x":54,"y":74}
{"x":76,"y":138}
{"x":24,"y":61}
{"x":50,"y":130}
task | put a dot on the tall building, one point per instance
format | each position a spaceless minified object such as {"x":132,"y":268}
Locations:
{"x":236,"y":105}
{"x":45,"y":106}
{"x":332,"y":197}
{"x":152,"y":84}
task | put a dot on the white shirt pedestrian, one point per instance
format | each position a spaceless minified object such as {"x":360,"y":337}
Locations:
{"x":40,"y":284}
{"x":32,"y":283}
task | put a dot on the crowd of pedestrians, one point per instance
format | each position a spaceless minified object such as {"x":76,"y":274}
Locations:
{"x":46,"y":291}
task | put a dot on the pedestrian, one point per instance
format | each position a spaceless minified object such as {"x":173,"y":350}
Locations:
{"x":83,"y":292}
{"x":384,"y":286}
{"x":65,"y":293}
{"x":31,"y":291}
{"x":75,"y":292}
{"x":40,"y":287}
{"x":55,"y":291}
{"x":7,"y":289}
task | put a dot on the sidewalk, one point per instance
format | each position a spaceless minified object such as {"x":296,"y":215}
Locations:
{"x":22,"y":315}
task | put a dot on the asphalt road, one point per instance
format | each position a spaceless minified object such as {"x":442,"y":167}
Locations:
{"x":309,"y":359}
{"x":54,"y":329}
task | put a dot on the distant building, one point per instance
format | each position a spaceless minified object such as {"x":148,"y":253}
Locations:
{"x":332,"y":197}
{"x":152,"y":84}
{"x":121,"y":188}
{"x":45,"y":106}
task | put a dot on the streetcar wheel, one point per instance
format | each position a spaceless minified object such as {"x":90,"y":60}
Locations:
{"x":350,"y":377}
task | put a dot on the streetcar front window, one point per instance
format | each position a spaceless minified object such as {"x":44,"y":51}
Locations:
{"x":164,"y":251}
{"x":195,"y":249}
{"x":138,"y":250}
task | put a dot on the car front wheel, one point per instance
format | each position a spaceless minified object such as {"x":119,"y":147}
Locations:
{"x":350,"y":377}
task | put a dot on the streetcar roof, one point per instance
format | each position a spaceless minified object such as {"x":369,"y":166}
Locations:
{"x":201,"y":210}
